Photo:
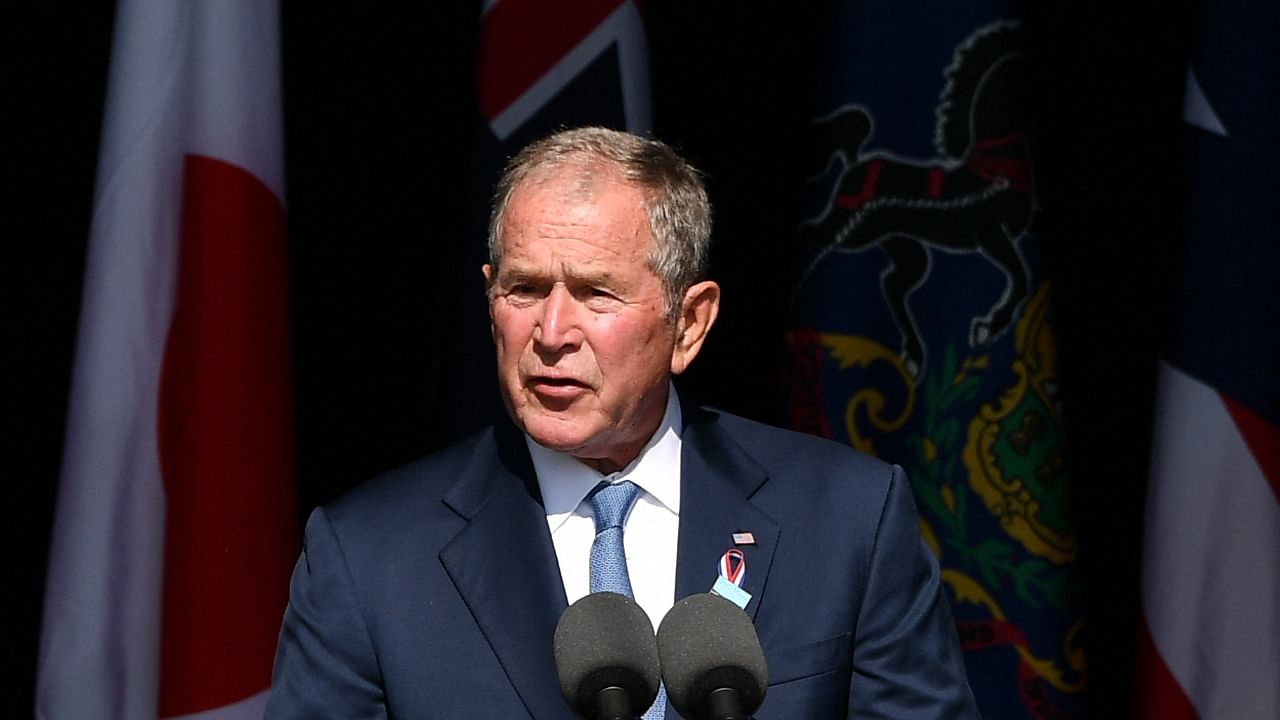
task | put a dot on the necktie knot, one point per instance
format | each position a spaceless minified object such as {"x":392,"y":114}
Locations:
{"x":611,"y":502}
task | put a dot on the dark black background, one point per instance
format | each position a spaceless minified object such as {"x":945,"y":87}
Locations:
{"x":379,"y":114}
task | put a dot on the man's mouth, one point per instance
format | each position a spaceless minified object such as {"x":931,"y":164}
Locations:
{"x":556,"y":386}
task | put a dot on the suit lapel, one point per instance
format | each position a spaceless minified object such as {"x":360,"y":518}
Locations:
{"x":717,"y":480}
{"x":503,"y":564}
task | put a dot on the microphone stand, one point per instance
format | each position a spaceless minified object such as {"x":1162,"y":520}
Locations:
{"x":725,"y":704}
{"x":614,"y":703}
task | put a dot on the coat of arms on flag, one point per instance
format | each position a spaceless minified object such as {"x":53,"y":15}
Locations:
{"x":921,"y":332}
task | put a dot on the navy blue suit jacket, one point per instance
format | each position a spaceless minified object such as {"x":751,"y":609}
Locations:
{"x":434,"y":591}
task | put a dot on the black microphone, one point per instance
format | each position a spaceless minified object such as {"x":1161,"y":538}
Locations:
{"x":712,"y":662}
{"x":607,"y":658}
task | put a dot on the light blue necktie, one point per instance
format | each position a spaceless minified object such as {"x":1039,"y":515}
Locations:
{"x":611,"y":503}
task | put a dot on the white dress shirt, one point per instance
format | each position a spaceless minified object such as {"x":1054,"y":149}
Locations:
{"x":649,"y":532}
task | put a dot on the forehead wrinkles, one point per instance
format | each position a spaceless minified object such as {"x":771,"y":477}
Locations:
{"x":545,"y":224}
{"x":585,"y":238}
{"x":589,"y":267}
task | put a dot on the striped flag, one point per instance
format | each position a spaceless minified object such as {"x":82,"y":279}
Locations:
{"x":1209,"y":640}
{"x":175,"y":527}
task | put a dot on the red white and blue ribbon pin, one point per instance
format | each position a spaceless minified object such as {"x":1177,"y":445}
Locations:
{"x":731,"y":571}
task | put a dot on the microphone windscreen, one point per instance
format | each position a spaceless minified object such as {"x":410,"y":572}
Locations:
{"x":606,"y":640}
{"x":707,"y":643}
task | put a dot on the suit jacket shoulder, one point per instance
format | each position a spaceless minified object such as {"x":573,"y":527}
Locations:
{"x":399,"y":499}
{"x":430,"y":590}
{"x":847,"y":599}
{"x":786,"y":454}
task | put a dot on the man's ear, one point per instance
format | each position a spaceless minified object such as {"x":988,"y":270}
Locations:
{"x":698,"y":313}
{"x":487,"y":269}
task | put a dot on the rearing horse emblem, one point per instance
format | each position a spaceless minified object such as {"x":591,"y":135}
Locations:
{"x":975,"y":196}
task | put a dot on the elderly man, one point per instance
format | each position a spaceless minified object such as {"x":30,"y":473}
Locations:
{"x":434,"y":590}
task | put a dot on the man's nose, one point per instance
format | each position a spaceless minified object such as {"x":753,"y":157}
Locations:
{"x":558,"y":327}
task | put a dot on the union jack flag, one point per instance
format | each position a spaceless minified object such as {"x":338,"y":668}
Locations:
{"x":541,"y":67}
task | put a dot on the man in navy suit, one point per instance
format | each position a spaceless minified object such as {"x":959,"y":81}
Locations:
{"x":434,"y":591}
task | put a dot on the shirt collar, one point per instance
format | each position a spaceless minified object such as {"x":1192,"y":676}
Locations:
{"x":565,"y":482}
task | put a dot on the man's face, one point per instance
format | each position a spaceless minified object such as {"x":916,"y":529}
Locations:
{"x":584,"y":347}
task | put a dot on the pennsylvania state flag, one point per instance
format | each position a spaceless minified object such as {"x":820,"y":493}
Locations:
{"x":920,"y":325}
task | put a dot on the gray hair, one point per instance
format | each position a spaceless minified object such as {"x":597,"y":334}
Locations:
{"x":675,"y":199}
